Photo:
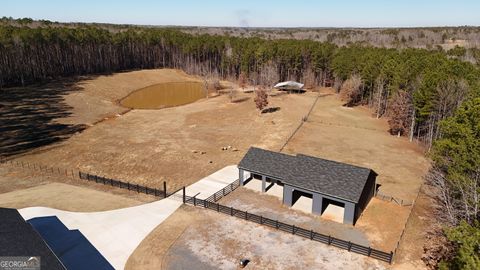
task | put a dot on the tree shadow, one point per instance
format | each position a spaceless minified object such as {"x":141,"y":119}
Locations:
{"x":240,"y":100}
{"x":271,"y":110}
{"x":28,"y":114}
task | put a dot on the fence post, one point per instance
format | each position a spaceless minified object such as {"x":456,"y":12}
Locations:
{"x":183,"y":190}
{"x":231,"y":211}
{"x":329,"y":239}
{"x":293,"y":229}
{"x":349,"y":245}
{"x":205,"y":203}
{"x":246,"y":215}
{"x":195,"y":200}
{"x":369,"y":251}
{"x":261,"y":219}
{"x":138,"y":188}
{"x":218,"y":207}
{"x":276,"y":224}
{"x":391,"y":257}
{"x":165,"y":189}
{"x":128,"y":185}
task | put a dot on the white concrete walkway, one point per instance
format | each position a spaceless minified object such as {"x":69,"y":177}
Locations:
{"x":117,"y":233}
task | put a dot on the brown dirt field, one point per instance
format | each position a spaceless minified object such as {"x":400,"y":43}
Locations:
{"x":383,"y":222}
{"x":217,"y":241}
{"x":151,"y":252}
{"x":15,"y":179}
{"x":353,"y":136}
{"x":411,"y":248}
{"x":65,"y":197}
{"x":150,"y":146}
{"x":98,"y":96}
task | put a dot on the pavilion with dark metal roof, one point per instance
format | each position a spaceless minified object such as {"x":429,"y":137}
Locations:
{"x":325,"y":181}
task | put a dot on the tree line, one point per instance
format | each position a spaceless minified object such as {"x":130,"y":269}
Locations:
{"x":416,"y":87}
{"x":428,"y":95}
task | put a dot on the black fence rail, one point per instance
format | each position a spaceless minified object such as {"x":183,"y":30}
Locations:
{"x":125,"y":185}
{"x":295,"y":230}
{"x":75,"y":174}
{"x":224,"y":191}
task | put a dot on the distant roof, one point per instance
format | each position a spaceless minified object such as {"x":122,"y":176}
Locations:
{"x":291,"y":85}
{"x":18,"y":238}
{"x":324,"y":176}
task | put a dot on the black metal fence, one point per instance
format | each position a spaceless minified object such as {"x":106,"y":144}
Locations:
{"x":74,"y":174}
{"x":224,"y":191}
{"x":125,"y":185}
{"x":295,"y":230}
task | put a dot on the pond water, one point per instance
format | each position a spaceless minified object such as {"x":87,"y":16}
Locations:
{"x":164,"y":95}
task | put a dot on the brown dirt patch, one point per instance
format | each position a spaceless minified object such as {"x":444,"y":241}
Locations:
{"x":98,"y":96}
{"x":14,"y":179}
{"x":353,"y":136}
{"x":150,"y":146}
{"x":65,"y":197}
{"x":383,"y":223}
{"x":217,"y":241}
{"x":151,"y":252}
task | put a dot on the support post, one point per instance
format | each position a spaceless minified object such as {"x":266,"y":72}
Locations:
{"x":165,"y":189}
{"x":264,"y":183}
{"x":287,"y":195}
{"x":183,"y":189}
{"x":240,"y":176}
{"x":317,"y":204}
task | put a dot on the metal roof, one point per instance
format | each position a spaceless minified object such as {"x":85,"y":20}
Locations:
{"x":324,"y":176}
{"x":289,"y":85}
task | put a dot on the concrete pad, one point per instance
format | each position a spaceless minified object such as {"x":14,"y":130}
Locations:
{"x":213,"y":183}
{"x":256,"y":185}
{"x":114,"y":233}
{"x":117,"y":233}
{"x":334,"y":213}
{"x":303,"y":204}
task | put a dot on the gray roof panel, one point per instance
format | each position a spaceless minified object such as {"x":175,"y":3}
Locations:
{"x":266,"y":162}
{"x":324,"y":176}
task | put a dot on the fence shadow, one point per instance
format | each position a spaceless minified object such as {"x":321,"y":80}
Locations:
{"x":28,"y":114}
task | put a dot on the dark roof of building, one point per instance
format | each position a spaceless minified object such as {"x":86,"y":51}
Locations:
{"x":18,"y":238}
{"x":324,"y":176}
{"x":269,"y":163}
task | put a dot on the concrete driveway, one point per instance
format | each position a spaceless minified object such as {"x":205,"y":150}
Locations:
{"x":117,"y":233}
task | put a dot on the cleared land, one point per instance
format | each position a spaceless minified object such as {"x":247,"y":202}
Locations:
{"x":183,"y":144}
{"x":150,"y":146}
{"x":215,"y":241}
{"x":65,"y":197}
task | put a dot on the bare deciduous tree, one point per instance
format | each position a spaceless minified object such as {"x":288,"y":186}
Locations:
{"x":261,"y":99}
{"x":400,"y":113}
{"x":351,"y":91}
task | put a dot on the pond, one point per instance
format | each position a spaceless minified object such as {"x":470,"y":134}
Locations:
{"x":164,"y":95}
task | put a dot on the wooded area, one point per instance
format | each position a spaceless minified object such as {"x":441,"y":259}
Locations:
{"x":433,"y":83}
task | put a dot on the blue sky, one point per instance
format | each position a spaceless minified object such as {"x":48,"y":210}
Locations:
{"x":308,"y":13}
